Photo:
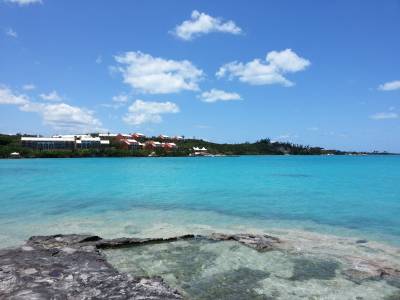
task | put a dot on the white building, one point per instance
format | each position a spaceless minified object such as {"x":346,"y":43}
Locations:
{"x":200,"y":151}
{"x":107,"y":135}
{"x":48,"y":143}
{"x":64,"y":142}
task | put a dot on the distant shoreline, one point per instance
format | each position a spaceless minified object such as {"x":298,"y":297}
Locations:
{"x":16,"y":146}
{"x":188,"y":156}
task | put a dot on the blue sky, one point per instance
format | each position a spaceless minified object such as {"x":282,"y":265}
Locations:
{"x":321,"y":73}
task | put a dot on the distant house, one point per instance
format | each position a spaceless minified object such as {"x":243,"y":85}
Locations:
{"x":49,"y":143}
{"x":169,"y":146}
{"x":138,"y":135}
{"x":178,"y":138}
{"x":163,"y":137}
{"x":151,"y":145}
{"x":130,"y":144}
{"x":122,"y":136}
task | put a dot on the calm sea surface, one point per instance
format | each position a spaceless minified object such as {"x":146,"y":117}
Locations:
{"x":350,"y":195}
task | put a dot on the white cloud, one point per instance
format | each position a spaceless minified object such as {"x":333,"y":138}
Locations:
{"x":201,"y":23}
{"x":60,"y":116}
{"x":286,"y":137}
{"x":24,"y":2}
{"x":117,"y":101}
{"x":52,"y":96}
{"x":270,"y":71}
{"x":148,"y":111}
{"x":390,"y":86}
{"x":156,"y":75}
{"x":384,"y":116}
{"x":99,"y":59}
{"x":28,"y":87}
{"x":215,"y":95}
{"x":11,"y":32}
{"x":7,"y":96}
{"x":121,"y":98}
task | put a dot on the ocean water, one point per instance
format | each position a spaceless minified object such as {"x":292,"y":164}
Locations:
{"x":341,"y":195}
{"x":319,"y":206}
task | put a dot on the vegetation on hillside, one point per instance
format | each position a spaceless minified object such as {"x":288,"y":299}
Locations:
{"x":12,"y":143}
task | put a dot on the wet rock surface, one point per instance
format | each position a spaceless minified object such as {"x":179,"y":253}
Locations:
{"x":72,"y":267}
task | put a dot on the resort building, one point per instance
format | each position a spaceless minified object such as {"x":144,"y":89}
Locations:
{"x":91,"y":143}
{"x":49,"y":143}
{"x":64,"y":142}
{"x":131,"y":144}
{"x":169,"y":145}
{"x":122,"y":136}
{"x":138,"y":135}
{"x":107,"y":135}
{"x":152,"y":145}
{"x":77,"y":136}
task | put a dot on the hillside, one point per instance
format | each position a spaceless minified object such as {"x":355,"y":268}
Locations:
{"x":11,"y":143}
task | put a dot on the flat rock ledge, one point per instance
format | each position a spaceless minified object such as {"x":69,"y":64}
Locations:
{"x":73,"y":267}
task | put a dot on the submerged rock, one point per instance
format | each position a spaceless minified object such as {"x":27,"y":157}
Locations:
{"x":238,"y":284}
{"x":313,"y":268}
{"x":256,"y":241}
{"x":367,"y":270}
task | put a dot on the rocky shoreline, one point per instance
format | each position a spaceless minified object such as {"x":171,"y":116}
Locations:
{"x":74,"y":267}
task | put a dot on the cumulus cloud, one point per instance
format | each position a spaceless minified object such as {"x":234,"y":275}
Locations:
{"x":268,"y":71}
{"x":28,"y":87}
{"x":384,"y":116}
{"x":7,"y":96}
{"x":156,"y":75}
{"x":24,"y":2}
{"x":201,"y":23}
{"x":11,"y":32}
{"x":215,"y":95}
{"x":52,"y":96}
{"x":390,"y":86}
{"x":148,"y":112}
{"x":60,"y":116}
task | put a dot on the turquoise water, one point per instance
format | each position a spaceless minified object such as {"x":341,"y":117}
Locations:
{"x":348,"y":195}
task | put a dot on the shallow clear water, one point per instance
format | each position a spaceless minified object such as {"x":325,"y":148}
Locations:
{"x":347,"y":195}
{"x":204,"y":270}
